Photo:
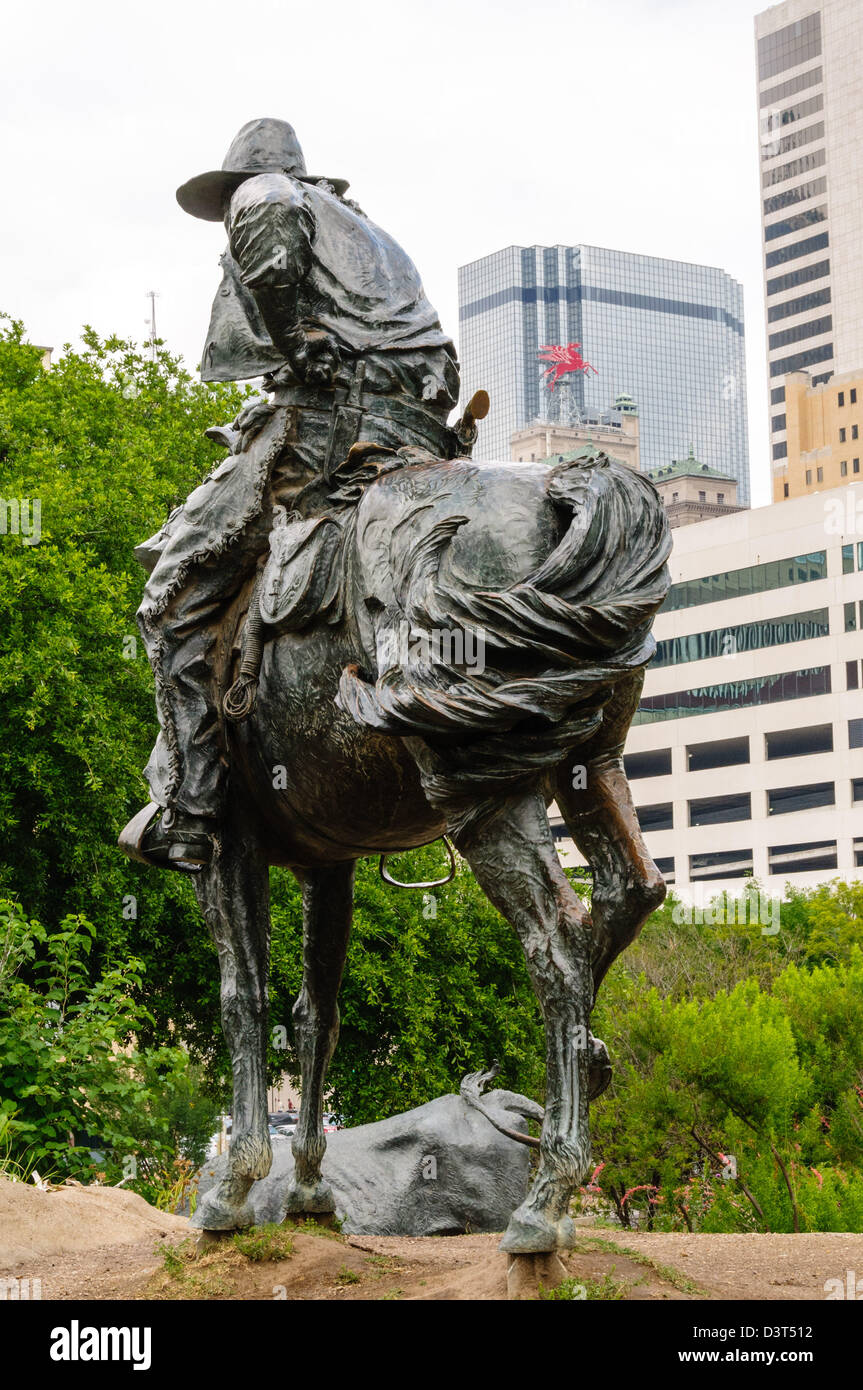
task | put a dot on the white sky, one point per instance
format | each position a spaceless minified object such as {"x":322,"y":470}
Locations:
{"x":462,"y":125}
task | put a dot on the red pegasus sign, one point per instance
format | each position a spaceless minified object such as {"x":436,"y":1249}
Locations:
{"x":563,"y":360}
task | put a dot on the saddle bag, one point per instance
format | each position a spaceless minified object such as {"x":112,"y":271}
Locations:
{"x":302,"y":577}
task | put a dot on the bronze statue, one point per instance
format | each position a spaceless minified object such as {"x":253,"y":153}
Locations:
{"x":363,"y":640}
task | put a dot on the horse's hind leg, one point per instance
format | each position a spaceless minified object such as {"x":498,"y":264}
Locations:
{"x":234,"y":893}
{"x":328,"y":896}
{"x":627,"y":886}
{"x":600,"y":816}
{"x":514,"y":858}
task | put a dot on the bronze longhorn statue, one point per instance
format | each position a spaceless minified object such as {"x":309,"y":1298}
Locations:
{"x":363,"y":640}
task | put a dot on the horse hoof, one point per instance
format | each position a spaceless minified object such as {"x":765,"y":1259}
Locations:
{"x":309,"y":1199}
{"x":222,"y":1213}
{"x":531,"y":1233}
{"x":601,"y":1070}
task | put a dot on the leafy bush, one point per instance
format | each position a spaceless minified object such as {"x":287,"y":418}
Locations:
{"x":70,"y":1075}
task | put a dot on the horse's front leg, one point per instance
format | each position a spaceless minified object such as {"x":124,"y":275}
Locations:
{"x":234,"y":896}
{"x":328,"y":896}
{"x":514,"y":858}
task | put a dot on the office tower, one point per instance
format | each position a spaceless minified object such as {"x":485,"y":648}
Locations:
{"x":810,"y":104}
{"x":667,"y":333}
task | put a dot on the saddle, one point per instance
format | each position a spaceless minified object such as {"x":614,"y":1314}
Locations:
{"x":303,"y":580}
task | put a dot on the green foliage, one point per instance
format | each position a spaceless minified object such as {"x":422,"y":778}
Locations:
{"x":769,"y":1069}
{"x":264,"y":1243}
{"x":69,"y":1073}
{"x":108,"y":442}
{"x":574,"y":1290}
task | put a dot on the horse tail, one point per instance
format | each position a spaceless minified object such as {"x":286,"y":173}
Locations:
{"x":547,"y":651}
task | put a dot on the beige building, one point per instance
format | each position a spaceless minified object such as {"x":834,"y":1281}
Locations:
{"x":810,"y":107}
{"x":824,"y":434}
{"x":615,"y":431}
{"x":693,"y":492}
{"x":746,"y":754}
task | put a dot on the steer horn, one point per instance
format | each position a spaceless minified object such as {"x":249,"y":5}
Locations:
{"x":471,"y":1090}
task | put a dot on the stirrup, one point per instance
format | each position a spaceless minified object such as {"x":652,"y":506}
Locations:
{"x":189,"y":854}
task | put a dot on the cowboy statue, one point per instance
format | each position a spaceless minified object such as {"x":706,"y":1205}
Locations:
{"x":330,"y":312}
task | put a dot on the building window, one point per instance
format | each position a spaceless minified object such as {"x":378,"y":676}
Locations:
{"x":778,"y":423}
{"x":856,"y":466}
{"x":729,"y":863}
{"x":666,"y":868}
{"x":855,"y":431}
{"x":784,"y":801}
{"x":843,"y":468}
{"x":852,"y":676}
{"x":808,"y":476}
{"x":796,"y":249}
{"x":718,"y":810}
{"x":785,"y":48}
{"x":674,"y":496}
{"x":655,"y":763}
{"x":790,"y":282}
{"x":819,"y":475}
{"x":720,"y":497}
{"x":780,"y":450}
{"x":855,"y":733}
{"x":659,"y":817}
{"x":702,"y":496}
{"x":721,"y":752}
{"x":850,"y":618}
{"x":848,"y":559}
{"x":857,"y":789}
{"x":753,"y":579}
{"x":841,"y":398}
{"x":777,"y":395}
{"x":802,"y":859}
{"x":733,"y":695}
{"x":799,"y":743}
{"x":842,"y":434}
{"x":746,"y":637}
{"x":784,"y":489}
{"x":812,"y":329}
{"x":853,"y":395}
{"x":804,"y":304}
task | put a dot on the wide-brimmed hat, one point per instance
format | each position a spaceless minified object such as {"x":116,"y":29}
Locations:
{"x":265,"y":146}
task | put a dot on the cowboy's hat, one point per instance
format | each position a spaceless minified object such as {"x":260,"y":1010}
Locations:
{"x":264,"y":146}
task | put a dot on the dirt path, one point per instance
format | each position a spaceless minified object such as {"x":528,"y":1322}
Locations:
{"x":105,"y":1243}
{"x":745,"y":1267}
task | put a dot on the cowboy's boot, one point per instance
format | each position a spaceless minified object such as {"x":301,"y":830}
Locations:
{"x":169,"y":839}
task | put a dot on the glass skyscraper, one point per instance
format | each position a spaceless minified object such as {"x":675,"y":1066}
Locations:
{"x":667,"y":333}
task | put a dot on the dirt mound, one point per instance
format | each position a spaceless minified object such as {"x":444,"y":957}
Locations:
{"x":36,"y":1226}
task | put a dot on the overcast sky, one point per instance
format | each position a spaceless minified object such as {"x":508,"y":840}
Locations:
{"x":463,"y":126}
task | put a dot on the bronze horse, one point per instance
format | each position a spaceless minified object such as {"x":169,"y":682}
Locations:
{"x":361,"y":742}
